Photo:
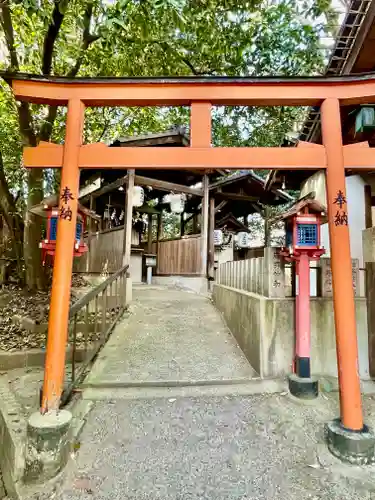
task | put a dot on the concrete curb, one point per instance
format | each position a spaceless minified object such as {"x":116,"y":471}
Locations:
{"x":165,"y":383}
{"x":34,"y":357}
{"x":13,"y":437}
{"x":249,"y":388}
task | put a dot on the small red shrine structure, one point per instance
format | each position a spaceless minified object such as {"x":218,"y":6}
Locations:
{"x":302,"y":245}
{"x":49,"y":209}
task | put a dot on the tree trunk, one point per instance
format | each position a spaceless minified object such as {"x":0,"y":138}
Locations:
{"x":14,"y":225}
{"x":35,"y":276}
{"x":2,"y":253}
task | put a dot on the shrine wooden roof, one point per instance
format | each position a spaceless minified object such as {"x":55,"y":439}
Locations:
{"x":177,"y":137}
{"x":240,"y":193}
{"x":230,"y":222}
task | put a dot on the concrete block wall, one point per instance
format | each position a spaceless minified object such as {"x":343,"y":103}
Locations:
{"x":264,"y":329}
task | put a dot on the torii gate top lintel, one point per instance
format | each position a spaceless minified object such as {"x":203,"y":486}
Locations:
{"x":180,"y":91}
{"x":200,"y":94}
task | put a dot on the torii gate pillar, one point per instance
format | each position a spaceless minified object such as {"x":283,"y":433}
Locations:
{"x":63,"y":264}
{"x":340,"y":433}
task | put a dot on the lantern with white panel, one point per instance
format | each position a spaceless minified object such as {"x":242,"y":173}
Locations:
{"x":138,"y":196}
{"x":243,"y":239}
{"x":218,"y":237}
{"x":177,"y":203}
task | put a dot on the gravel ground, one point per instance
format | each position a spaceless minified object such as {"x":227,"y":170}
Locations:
{"x":231,"y":448}
{"x":17,"y":306}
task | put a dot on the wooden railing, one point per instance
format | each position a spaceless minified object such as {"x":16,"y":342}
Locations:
{"x":91,"y":320}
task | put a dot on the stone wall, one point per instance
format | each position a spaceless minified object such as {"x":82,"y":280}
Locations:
{"x":264,"y":329}
{"x":368,"y":240}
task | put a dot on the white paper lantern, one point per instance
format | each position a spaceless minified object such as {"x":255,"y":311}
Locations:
{"x":218,"y":237}
{"x":138,"y":196}
{"x":177,"y":203}
{"x":243,"y":239}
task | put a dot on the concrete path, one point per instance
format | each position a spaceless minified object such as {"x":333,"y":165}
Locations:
{"x":171,"y":337}
{"x":139,"y":444}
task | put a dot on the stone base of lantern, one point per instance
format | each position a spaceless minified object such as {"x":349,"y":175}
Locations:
{"x":303,"y":388}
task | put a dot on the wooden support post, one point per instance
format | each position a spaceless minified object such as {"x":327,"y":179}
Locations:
{"x":92,"y":222}
{"x":211,"y":242}
{"x":343,"y":296}
{"x":267,"y":227}
{"x":195,"y":223}
{"x":159,"y":232}
{"x":204,"y":226}
{"x":149,"y":234}
{"x":368,"y":207}
{"x":62,"y":269}
{"x":182,"y":225}
{"x":91,"y":230}
{"x":128,"y":218}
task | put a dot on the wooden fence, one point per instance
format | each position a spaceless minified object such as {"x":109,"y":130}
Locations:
{"x":243,"y":274}
{"x":262,"y":275}
{"x":180,"y":257}
{"x":271,"y":277}
{"x":105,"y":251}
{"x":174,"y":257}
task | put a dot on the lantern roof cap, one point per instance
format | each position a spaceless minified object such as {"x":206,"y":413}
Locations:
{"x":314,"y":207}
{"x":51,"y":202}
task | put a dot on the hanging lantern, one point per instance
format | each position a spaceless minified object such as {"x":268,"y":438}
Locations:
{"x":243,"y":240}
{"x":218,"y":237}
{"x":138,"y":196}
{"x":177,"y":203}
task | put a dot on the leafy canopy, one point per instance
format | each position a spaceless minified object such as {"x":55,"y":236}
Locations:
{"x":158,"y":38}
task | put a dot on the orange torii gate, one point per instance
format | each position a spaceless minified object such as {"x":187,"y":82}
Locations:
{"x":201,"y":94}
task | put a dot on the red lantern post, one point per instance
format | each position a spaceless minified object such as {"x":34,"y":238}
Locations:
{"x":303,"y":245}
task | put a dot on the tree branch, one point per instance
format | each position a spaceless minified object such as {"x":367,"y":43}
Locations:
{"x":106,"y":125}
{"x":51,"y":36}
{"x":6,"y":23}
{"x":47,"y":126}
{"x":196,"y":72}
{"x":23,"y":109}
{"x":87,"y":39}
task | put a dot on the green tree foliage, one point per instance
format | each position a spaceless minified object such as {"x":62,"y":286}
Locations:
{"x":145,"y":38}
